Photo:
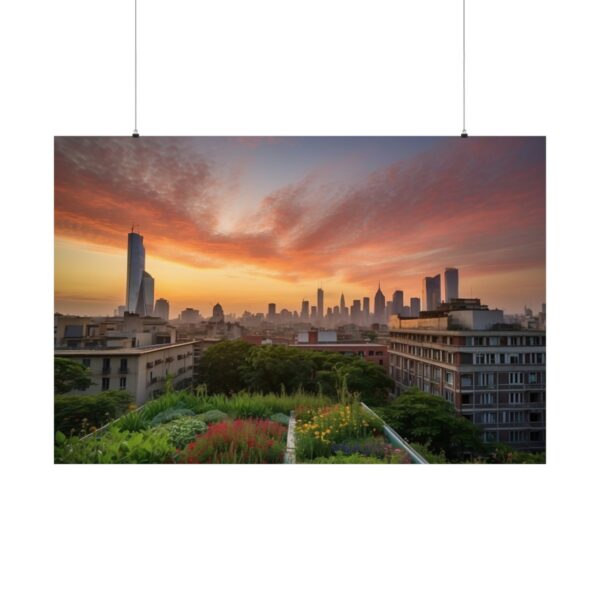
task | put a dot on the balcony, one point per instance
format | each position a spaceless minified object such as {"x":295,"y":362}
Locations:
{"x":105,"y":370}
{"x":123,"y":371}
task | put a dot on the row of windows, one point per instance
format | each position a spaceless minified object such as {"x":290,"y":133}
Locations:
{"x":489,"y":398}
{"x":504,"y":340}
{"x":106,"y":383}
{"x":514,"y":436}
{"x":491,"y":379}
{"x":527,"y":358}
{"x":508,"y":417}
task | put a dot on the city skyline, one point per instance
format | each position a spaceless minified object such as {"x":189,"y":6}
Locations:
{"x":245,"y":222}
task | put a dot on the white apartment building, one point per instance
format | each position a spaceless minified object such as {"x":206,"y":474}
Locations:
{"x":140,"y":371}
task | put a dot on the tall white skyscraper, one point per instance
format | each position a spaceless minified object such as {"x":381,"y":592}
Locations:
{"x":451,"y":284}
{"x":139,"y":292}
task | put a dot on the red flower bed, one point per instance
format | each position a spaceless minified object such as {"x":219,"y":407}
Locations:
{"x":239,"y":441}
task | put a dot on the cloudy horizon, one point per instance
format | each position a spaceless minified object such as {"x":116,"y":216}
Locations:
{"x":247,"y":221}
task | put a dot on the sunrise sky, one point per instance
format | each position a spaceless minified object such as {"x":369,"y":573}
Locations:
{"x":247,"y":221}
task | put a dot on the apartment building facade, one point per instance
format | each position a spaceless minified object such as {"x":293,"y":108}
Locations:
{"x":495,"y":377}
{"x":141,"y":371}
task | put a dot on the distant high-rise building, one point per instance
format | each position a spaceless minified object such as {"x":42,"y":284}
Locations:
{"x":388,"y":309}
{"x":218,"y":314}
{"x":313,"y":313}
{"x":415,"y":307}
{"x":136,"y":263}
{"x":320,"y":303}
{"x":190,"y":315}
{"x":145,"y":303}
{"x":139,"y":289}
{"x":355,"y":312}
{"x":366,"y":309}
{"x":397,"y":302}
{"x":379,"y":312}
{"x":342,"y":303}
{"x":161,"y":309}
{"x":120,"y":310}
{"x":431,"y":292}
{"x":272,"y":311}
{"x":451,"y":284}
{"x":304,"y":312}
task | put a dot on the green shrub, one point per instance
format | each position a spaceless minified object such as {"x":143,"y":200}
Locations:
{"x":184,"y":430}
{"x":132,"y":421}
{"x":115,"y":447}
{"x":80,"y":414}
{"x":356,"y":459}
{"x":280,"y":418}
{"x":170,"y":415}
{"x":245,"y":405}
{"x":214,"y":416}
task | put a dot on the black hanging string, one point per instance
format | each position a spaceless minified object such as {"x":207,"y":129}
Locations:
{"x":135,"y":130}
{"x":464,"y":90}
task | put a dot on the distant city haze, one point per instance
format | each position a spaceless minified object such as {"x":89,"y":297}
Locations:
{"x":248,"y":221}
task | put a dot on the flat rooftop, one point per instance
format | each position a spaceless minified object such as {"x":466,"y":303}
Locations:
{"x":119,"y":351}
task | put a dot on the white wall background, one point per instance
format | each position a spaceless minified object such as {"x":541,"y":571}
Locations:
{"x":299,"y":67}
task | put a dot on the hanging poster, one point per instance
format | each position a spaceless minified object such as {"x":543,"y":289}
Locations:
{"x":301,"y":299}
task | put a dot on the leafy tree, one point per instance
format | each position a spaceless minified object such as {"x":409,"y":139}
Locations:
{"x":221,"y":366}
{"x":273,"y":368}
{"x":230,"y":367}
{"x":70,"y":375}
{"x":78,"y":414}
{"x":433,"y":422}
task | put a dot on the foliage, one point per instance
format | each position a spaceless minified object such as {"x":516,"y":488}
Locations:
{"x":221,"y":366}
{"x":80,"y":414}
{"x":339,"y":458}
{"x":431,"y":457}
{"x":503,"y":454}
{"x":183,"y":431}
{"x":432,"y":421}
{"x":317,"y":431}
{"x":245,"y":405}
{"x":239,"y":441}
{"x":115,"y":447}
{"x":132,"y":421}
{"x":214,"y":416}
{"x":280,"y":418}
{"x":170,"y":415}
{"x":230,"y":367}
{"x":70,"y":375}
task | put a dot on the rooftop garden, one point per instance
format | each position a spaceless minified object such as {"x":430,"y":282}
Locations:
{"x":197,"y":428}
{"x":340,"y":411}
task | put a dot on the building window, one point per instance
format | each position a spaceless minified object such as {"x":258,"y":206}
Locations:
{"x":105,"y":383}
{"x":486,"y":398}
{"x":466,"y":381}
{"x":123,"y":366}
{"x":489,"y":436}
{"x":488,"y":418}
{"x":517,"y":436}
{"x":485,"y":379}
{"x":449,"y":378}
{"x":515,"y":397}
{"x":122,"y":383}
{"x":532,"y":378}
{"x":535,"y":436}
{"x":515,"y":378}
{"x":106,"y":365}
